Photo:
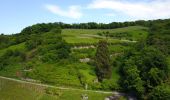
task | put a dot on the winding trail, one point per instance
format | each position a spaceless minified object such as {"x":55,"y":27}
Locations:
{"x":51,"y":86}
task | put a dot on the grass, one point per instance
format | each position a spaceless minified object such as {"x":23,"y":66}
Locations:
{"x":80,"y":40}
{"x":115,"y":75}
{"x":76,"y":95}
{"x":91,"y":36}
{"x":66,"y":75}
{"x":20,"y":46}
{"x":117,"y":48}
{"x":14,"y":66}
{"x":11,"y":90}
{"x":56,"y":74}
{"x":11,"y":70}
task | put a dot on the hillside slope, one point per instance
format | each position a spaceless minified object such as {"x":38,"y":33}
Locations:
{"x":66,"y":72}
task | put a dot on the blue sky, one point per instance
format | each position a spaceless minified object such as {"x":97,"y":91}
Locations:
{"x":17,"y":14}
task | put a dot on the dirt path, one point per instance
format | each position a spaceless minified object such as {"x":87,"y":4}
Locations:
{"x":45,"y":85}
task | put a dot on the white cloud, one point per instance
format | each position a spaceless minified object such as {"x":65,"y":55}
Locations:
{"x":72,"y":12}
{"x":152,"y":9}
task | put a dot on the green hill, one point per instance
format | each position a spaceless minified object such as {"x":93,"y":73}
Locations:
{"x":47,"y":54}
{"x":34,"y":58}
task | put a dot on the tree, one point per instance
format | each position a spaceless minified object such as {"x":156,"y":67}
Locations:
{"x":56,"y":30}
{"x":142,"y":69}
{"x":53,"y":47}
{"x":159,"y":36}
{"x":131,"y":78}
{"x":3,"y":62}
{"x":103,"y":67}
{"x":33,"y":42}
{"x":161,"y":92}
{"x":155,"y":76}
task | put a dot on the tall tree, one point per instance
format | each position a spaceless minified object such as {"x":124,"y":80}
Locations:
{"x":103,"y":67}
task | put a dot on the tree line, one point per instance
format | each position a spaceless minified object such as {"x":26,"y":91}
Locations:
{"x":45,"y":27}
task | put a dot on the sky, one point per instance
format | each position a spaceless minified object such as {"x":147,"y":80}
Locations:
{"x":18,"y":14}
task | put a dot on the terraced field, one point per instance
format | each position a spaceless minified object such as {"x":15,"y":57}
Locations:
{"x":91,"y":35}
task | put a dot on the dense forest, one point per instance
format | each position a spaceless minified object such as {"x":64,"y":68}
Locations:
{"x":144,"y":68}
{"x":117,"y":61}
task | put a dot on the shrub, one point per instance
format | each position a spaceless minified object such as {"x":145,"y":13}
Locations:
{"x":161,"y":92}
{"x":109,"y":85}
{"x":53,"y":91}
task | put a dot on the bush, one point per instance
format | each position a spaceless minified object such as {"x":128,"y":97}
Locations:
{"x":8,"y":53}
{"x":82,"y":78}
{"x":63,"y":53}
{"x":95,"y":86}
{"x":53,"y":91}
{"x":109,"y":85}
{"x":49,"y":57}
{"x":161,"y":92}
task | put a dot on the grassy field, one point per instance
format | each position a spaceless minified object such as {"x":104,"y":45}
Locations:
{"x":91,"y":36}
{"x":25,"y":91}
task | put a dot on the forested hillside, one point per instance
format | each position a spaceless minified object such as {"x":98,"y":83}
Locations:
{"x":145,"y":67}
{"x":131,"y":57}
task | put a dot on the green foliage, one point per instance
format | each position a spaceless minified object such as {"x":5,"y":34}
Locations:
{"x":53,"y":52}
{"x":82,"y":78}
{"x":109,"y":85}
{"x":33,"y":42}
{"x":160,"y":36}
{"x":11,"y":56}
{"x":132,"y":80}
{"x":43,"y":48}
{"x":8,"y":40}
{"x":123,"y":35}
{"x":92,"y":36}
{"x":3,"y":63}
{"x":50,"y":45}
{"x":53,"y":91}
{"x":3,"y":41}
{"x":56,"y":30}
{"x":143,"y":69}
{"x":37,"y":29}
{"x":161,"y":92}
{"x":103,"y":67}
{"x":156,"y":76}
